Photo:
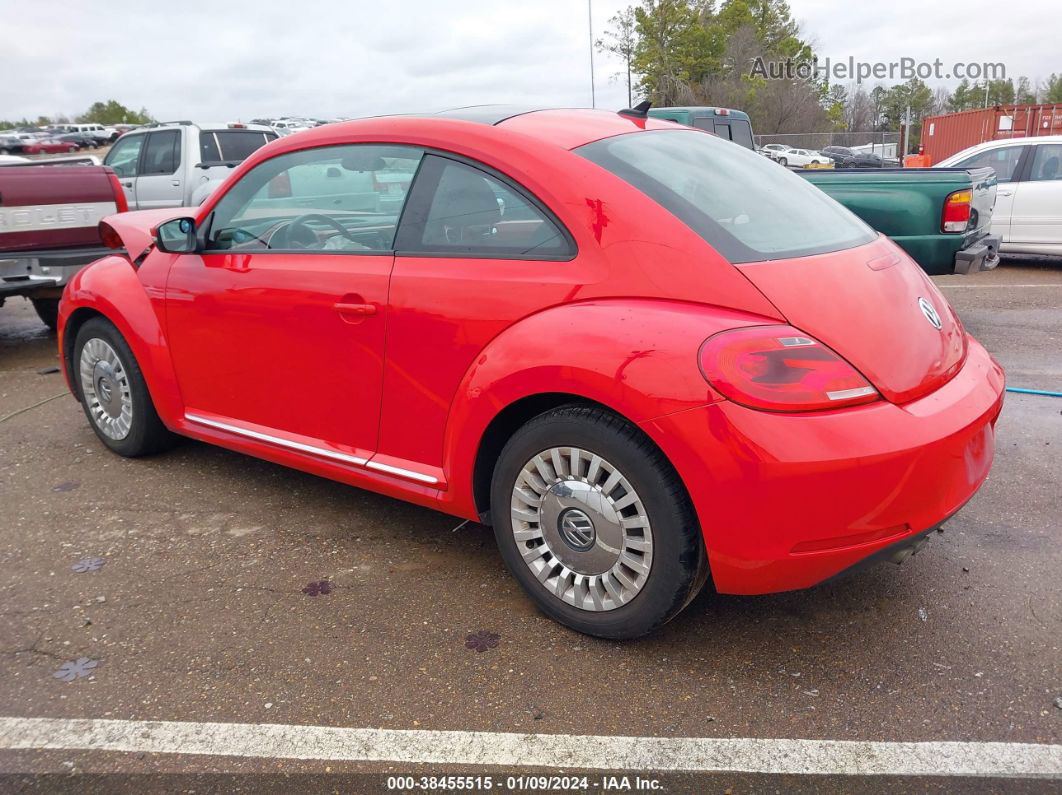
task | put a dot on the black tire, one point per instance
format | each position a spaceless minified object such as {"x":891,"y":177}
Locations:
{"x":146,"y":433}
{"x":47,"y":310}
{"x":679,"y":567}
{"x":783,"y":162}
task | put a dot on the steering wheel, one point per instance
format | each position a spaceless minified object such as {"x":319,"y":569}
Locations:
{"x":299,"y":226}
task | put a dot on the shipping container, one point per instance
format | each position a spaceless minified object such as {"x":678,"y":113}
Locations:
{"x":943,"y":136}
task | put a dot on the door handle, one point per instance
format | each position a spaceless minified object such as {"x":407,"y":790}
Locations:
{"x":128,"y":184}
{"x":1005,"y":193}
{"x":360,"y":310}
{"x":176,"y":183}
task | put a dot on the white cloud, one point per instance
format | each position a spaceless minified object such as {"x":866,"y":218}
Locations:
{"x":223,"y":61}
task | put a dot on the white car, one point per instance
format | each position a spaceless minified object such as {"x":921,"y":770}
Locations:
{"x":800,"y":157}
{"x":774,"y":150}
{"x":1028,"y":212}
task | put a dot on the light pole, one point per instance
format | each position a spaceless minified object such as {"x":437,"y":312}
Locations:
{"x":590,"y":30}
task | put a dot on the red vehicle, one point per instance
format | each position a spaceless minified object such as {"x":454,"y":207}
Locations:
{"x":647,"y":357}
{"x":50,"y":212}
{"x":48,"y":146}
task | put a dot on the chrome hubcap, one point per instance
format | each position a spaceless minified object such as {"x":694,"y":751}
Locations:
{"x":581,"y":528}
{"x":105,"y":386}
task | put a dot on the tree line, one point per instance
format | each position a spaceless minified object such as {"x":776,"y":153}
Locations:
{"x":109,"y":112}
{"x":695,"y":52}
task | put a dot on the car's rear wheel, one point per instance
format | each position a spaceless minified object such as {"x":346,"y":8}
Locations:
{"x":595,"y":524}
{"x":114,"y":393}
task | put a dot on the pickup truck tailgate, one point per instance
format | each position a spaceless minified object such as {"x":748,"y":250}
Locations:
{"x":53,"y":207}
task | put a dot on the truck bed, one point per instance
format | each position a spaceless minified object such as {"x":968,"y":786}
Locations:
{"x":906,"y":204}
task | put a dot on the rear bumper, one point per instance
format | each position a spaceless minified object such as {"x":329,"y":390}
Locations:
{"x":980,"y":256}
{"x":786,"y":501}
{"x":35,"y":272}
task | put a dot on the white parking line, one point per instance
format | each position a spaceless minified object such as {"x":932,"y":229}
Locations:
{"x":818,"y":757}
{"x":1050,"y":284}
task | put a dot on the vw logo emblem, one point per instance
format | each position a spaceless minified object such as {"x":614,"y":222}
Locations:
{"x":577,"y":529}
{"x":930,"y":313}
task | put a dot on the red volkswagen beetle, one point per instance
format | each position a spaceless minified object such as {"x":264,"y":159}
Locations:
{"x":646,"y":356}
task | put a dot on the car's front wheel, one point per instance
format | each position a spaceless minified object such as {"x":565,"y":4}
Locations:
{"x":783,"y":162}
{"x":114,"y":394}
{"x":595,"y":523}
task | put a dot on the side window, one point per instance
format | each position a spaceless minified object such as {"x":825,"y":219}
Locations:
{"x":239,"y":144}
{"x":163,"y":153}
{"x":335,"y":198}
{"x":1047,"y":163}
{"x":208,"y":148}
{"x":458,"y":210}
{"x":124,"y":155}
{"x":1003,"y":159}
{"x":741,"y":133}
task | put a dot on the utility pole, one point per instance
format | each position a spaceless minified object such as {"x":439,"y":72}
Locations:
{"x":904,"y":144}
{"x":590,"y":30}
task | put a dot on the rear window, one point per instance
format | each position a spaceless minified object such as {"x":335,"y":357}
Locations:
{"x":228,"y":146}
{"x":746,"y":206}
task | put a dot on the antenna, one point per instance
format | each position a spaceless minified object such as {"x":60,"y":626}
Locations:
{"x":640,"y":111}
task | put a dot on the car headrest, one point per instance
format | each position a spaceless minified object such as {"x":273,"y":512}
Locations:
{"x":464,"y":199}
{"x":363,"y":162}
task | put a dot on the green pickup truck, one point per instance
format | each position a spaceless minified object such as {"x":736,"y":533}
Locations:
{"x":940,"y":216}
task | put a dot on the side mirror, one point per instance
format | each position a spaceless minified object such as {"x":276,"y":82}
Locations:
{"x":176,"y":236}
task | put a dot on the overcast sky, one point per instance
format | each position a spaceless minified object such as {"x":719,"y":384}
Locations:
{"x":223,"y":61}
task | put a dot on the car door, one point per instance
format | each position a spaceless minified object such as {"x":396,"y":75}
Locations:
{"x":1005,"y":160}
{"x":158,"y":183}
{"x":124,"y":158}
{"x":276,"y":328}
{"x":1037,"y":202}
{"x":475,"y":253}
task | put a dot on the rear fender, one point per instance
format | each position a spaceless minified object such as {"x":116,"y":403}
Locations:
{"x":112,"y":288}
{"x":636,"y":357}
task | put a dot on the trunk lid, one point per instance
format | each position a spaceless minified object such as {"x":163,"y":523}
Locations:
{"x":876,"y":308}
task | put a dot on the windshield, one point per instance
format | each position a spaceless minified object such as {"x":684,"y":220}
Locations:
{"x":746,"y":206}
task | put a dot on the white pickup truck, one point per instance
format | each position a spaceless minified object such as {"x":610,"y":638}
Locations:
{"x":178,"y":164}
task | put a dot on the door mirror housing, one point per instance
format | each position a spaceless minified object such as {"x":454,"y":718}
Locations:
{"x":176,"y":236}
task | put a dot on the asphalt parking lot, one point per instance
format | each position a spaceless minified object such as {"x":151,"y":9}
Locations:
{"x":201,"y":600}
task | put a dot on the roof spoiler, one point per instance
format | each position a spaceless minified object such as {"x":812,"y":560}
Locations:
{"x":640,"y":111}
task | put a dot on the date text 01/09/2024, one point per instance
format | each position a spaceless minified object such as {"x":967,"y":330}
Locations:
{"x":539,"y":783}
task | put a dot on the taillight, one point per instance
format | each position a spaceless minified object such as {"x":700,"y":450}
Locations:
{"x":777,"y":368}
{"x":110,"y":238}
{"x":956,"y":215}
{"x":119,"y":194}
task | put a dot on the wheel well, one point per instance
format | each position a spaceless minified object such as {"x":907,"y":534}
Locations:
{"x":501,"y":429}
{"x":77,"y":319}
